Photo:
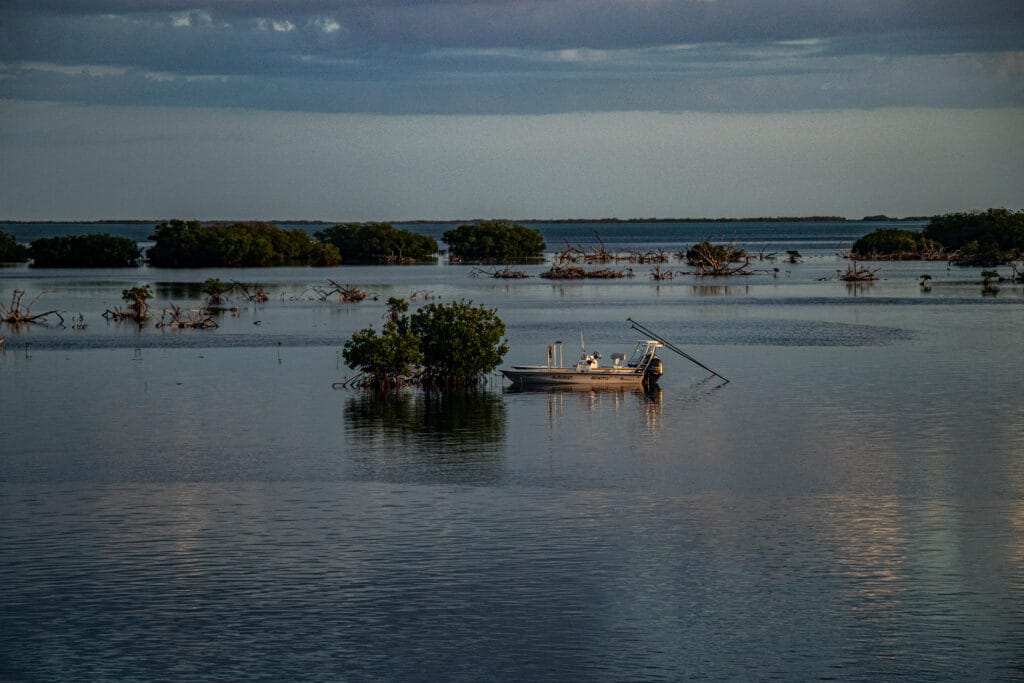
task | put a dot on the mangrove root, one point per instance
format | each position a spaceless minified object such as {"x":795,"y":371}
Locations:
{"x":118,"y":315}
{"x":923,"y":253}
{"x":600,"y":254}
{"x":175,"y":316}
{"x":257,"y":295}
{"x":138,"y":309}
{"x":660,"y":275}
{"x":719,"y":260}
{"x":346,"y":293}
{"x":855,"y":273}
{"x":580,"y":273}
{"x":505,"y":273}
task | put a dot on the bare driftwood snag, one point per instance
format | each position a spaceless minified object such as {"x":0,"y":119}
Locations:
{"x":257,"y":295}
{"x":19,"y":313}
{"x":346,"y":293}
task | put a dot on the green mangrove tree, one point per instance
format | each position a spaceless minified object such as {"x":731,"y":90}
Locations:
{"x":494,"y":242}
{"x":378,"y":243}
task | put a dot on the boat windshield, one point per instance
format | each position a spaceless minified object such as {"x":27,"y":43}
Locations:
{"x":642,"y":354}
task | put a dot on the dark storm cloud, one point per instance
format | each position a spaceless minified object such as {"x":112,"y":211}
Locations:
{"x":511,"y":56}
{"x":556,"y":24}
{"x":638,"y":23}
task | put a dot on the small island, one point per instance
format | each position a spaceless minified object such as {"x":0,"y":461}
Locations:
{"x":378,"y":243}
{"x":976,"y":238}
{"x":191,"y":244}
{"x":494,"y":242}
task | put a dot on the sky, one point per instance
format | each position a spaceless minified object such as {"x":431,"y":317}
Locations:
{"x":417,"y":109}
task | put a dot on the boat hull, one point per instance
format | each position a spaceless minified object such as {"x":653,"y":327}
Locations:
{"x":600,"y":377}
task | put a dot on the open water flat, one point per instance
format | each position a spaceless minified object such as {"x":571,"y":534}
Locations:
{"x":203,"y":505}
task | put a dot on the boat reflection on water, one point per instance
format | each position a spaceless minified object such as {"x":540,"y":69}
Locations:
{"x":427,"y":436}
{"x":616,"y":399}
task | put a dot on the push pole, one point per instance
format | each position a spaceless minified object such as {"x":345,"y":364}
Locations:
{"x":672,"y":347}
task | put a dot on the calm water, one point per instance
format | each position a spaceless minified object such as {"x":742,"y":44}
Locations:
{"x":203,"y":505}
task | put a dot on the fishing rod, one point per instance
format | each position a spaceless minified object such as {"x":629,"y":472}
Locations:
{"x":672,"y":347}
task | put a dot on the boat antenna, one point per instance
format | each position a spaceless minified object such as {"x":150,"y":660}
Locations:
{"x":672,"y":347}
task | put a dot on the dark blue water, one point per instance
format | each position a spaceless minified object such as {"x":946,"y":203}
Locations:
{"x":204,"y":505}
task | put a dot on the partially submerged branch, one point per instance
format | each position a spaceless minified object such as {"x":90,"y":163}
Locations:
{"x":346,"y":293}
{"x":177,"y":317}
{"x":18,"y":313}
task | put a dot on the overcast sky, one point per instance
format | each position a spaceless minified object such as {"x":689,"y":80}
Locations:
{"x":339,"y":110}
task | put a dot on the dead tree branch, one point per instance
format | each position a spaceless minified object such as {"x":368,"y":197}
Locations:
{"x":18,"y":313}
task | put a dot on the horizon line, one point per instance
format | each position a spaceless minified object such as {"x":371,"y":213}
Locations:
{"x":314,"y":221}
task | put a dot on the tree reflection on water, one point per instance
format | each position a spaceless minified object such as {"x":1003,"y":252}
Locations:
{"x":418,"y":435}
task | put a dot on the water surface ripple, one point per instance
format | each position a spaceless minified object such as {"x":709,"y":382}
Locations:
{"x":362,"y":580}
{"x":203,"y":505}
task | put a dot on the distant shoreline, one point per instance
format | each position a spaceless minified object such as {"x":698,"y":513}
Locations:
{"x":759,"y":219}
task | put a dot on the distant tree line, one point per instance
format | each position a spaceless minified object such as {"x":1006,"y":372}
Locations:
{"x":749,"y":219}
{"x":10,"y":250}
{"x":84,"y":251}
{"x":191,"y":244}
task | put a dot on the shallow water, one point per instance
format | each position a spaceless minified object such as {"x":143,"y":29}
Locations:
{"x":202,"y":504}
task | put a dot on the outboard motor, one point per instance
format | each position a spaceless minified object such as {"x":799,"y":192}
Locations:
{"x":654,"y":370}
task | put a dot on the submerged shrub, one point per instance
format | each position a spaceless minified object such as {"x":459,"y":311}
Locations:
{"x":460,"y":342}
{"x":389,"y":359}
{"x":894,"y":244}
{"x":441,"y":345}
{"x":706,"y":251}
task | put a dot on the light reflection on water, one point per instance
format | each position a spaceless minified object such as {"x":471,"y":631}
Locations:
{"x":205,"y":506}
{"x":366,"y":579}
